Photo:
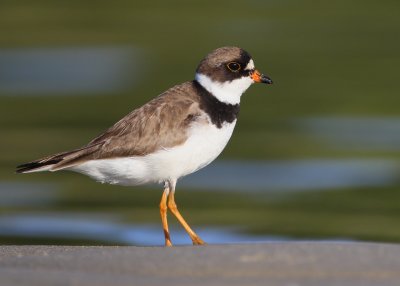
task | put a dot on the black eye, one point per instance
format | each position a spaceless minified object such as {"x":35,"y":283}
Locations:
{"x":234,"y":66}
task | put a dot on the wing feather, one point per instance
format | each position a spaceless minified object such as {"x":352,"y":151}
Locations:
{"x":161,"y":123}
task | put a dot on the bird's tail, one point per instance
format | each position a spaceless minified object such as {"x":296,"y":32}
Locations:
{"x":37,"y":166}
{"x":58,"y":161}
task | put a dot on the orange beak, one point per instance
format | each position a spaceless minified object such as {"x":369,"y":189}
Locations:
{"x":259,"y":77}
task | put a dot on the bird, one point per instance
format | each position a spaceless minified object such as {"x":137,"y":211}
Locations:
{"x":173,"y":135}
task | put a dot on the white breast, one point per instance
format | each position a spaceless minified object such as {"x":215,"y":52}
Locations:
{"x":204,"y":144}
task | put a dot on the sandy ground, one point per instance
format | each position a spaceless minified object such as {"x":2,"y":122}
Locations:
{"x":288,"y":264}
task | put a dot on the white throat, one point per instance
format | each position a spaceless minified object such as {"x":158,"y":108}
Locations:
{"x":227,"y":92}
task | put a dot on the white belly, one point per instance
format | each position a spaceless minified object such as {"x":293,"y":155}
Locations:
{"x":204,"y":144}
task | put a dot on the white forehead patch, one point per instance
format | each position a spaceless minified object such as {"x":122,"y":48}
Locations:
{"x":250,"y":65}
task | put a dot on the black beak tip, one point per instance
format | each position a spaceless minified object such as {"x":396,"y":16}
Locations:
{"x":267,"y":80}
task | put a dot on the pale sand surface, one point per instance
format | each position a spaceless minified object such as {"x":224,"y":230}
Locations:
{"x":286,"y":264}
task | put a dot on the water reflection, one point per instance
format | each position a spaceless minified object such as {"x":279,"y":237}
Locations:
{"x":14,"y":194}
{"x":266,"y":176}
{"x":293,"y":175}
{"x":103,"y":230}
{"x":67,"y":70}
{"x":355,"y":133}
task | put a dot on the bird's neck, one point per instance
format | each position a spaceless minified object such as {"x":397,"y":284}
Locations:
{"x":227,"y":92}
{"x":218,"y":112}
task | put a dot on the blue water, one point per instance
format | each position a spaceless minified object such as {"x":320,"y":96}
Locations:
{"x":353,"y":133}
{"x":85,"y":226}
{"x":264,"y":176}
{"x":293,"y":175}
{"x":73,"y":70}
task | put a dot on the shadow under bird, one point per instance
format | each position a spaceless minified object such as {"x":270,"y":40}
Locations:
{"x":175,"y":134}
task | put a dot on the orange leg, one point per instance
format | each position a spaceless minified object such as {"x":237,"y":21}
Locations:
{"x":163,"y":212}
{"x":174,"y":209}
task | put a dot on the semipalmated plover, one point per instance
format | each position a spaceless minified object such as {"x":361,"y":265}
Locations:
{"x":175,"y":134}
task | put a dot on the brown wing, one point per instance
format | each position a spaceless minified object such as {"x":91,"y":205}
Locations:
{"x":161,"y":123}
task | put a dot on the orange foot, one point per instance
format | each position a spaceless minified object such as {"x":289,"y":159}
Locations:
{"x":198,"y":241}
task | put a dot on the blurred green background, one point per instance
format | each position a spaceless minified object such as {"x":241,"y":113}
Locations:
{"x":70,"y":69}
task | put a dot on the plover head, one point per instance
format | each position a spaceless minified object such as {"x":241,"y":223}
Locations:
{"x":227,"y":73}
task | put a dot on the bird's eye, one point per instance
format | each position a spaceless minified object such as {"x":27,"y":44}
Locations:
{"x":234,"y":66}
